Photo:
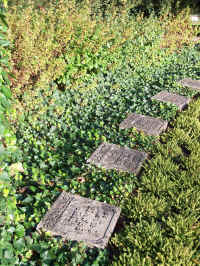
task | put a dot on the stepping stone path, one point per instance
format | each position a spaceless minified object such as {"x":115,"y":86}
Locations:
{"x":188,"y":82}
{"x":179,"y":101}
{"x":81,"y":219}
{"x":111,"y":156}
{"x":77,"y":218}
{"x":149,"y":125}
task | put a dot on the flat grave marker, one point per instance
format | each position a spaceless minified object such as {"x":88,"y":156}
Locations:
{"x":77,"y":218}
{"x":178,"y":100}
{"x":111,"y":156}
{"x":191,"y":83}
{"x":149,"y":125}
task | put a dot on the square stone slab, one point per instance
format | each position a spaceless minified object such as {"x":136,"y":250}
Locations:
{"x":191,"y":83}
{"x":81,"y":219}
{"x":149,"y":125}
{"x":111,"y":156}
{"x":178,"y":100}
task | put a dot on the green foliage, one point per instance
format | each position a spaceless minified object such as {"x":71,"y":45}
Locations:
{"x":114,"y":68}
{"x":102,"y":8}
{"x":9,"y":215}
{"x":58,"y":131}
{"x":57,"y":39}
{"x":5,"y":93}
{"x":164,"y":223}
{"x":71,"y":46}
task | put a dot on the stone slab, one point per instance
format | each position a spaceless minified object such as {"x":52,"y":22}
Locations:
{"x":178,"y":100}
{"x":111,"y":156}
{"x":150,"y":125}
{"x":81,"y":219}
{"x":191,"y":83}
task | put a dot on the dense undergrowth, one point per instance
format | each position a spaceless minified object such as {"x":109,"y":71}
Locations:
{"x":59,"y":132}
{"x":70,"y":43}
{"x":60,"y":118}
{"x":8,"y":148}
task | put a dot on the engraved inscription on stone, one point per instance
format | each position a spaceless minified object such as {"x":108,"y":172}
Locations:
{"x":149,"y":125}
{"x":178,"y":100}
{"x":111,"y":156}
{"x":77,"y":218}
{"x":188,"y":82}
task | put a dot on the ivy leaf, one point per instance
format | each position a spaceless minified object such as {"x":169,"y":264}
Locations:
{"x":8,"y":254}
{"x":20,"y":230}
{"x":6,"y":91}
{"x":19,"y":244}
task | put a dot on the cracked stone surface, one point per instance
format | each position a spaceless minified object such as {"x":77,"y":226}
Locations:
{"x":178,"y":100}
{"x":149,"y":125}
{"x":111,"y":156}
{"x":77,"y":218}
{"x":191,"y":83}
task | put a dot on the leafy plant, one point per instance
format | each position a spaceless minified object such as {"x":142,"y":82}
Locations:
{"x":58,"y":131}
{"x":5,"y":93}
{"x":71,"y":46}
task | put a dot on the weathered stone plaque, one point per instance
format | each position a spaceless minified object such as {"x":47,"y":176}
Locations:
{"x":81,"y":219}
{"x":178,"y":100}
{"x":149,"y":125}
{"x":111,"y":156}
{"x":191,"y":83}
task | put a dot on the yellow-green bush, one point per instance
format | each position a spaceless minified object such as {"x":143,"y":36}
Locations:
{"x":50,"y":41}
{"x":41,"y":36}
{"x":178,"y":31}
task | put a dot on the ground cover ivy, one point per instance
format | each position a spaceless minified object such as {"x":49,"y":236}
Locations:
{"x":9,"y":215}
{"x":59,"y":130}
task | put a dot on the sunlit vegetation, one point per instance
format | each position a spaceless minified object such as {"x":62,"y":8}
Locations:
{"x":77,"y":69}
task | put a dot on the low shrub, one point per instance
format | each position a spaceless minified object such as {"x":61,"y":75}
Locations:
{"x":164,"y":224}
{"x":54,"y":40}
{"x":178,"y":31}
{"x":65,"y":43}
